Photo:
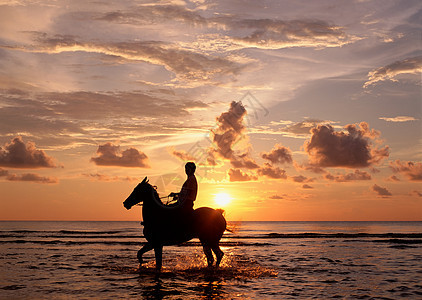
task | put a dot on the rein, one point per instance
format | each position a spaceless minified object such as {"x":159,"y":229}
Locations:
{"x":167,"y":202}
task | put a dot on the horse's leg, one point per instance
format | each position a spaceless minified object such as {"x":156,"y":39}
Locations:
{"x":218,"y":253}
{"x":208,"y":254}
{"x":158,"y":257}
{"x":144,"y":249}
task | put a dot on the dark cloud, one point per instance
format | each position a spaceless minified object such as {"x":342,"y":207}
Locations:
{"x":301,"y":178}
{"x":278,"y":155}
{"x":153,"y":14}
{"x":18,"y":155}
{"x":31,"y":177}
{"x":276,"y":34}
{"x":411,"y":65}
{"x":307,"y":186}
{"x":350,"y":149}
{"x":356,"y":175}
{"x":411,"y":170}
{"x":230,"y":130}
{"x":276,"y":197}
{"x":393,"y":178}
{"x":272,"y":172}
{"x":110,"y":155}
{"x":238,"y":175}
{"x":244,"y":161}
{"x":308,"y":167}
{"x":260,"y":33}
{"x":183,"y":155}
{"x":382,"y":192}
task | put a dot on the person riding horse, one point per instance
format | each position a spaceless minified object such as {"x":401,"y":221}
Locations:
{"x":166,"y":225}
{"x":187,"y":194}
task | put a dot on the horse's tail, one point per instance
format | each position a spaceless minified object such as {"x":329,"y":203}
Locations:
{"x":222,"y":212}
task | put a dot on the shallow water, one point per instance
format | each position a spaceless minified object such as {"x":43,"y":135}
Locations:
{"x":263,"y":260}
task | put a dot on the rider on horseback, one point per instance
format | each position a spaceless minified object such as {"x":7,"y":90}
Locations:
{"x":187,"y":194}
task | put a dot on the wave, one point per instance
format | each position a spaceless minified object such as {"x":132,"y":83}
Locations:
{"x":329,"y":235}
{"x":127,"y":234}
{"x":125,"y":243}
{"x":130,"y":238}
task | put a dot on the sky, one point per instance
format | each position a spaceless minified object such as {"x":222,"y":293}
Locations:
{"x":291,"y":110}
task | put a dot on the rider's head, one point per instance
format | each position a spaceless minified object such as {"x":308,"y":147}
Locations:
{"x":190,"y":168}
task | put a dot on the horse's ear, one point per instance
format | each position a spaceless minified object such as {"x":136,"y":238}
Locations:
{"x":145,"y":179}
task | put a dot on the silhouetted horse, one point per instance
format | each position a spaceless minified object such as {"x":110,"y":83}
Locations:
{"x":170,"y":225}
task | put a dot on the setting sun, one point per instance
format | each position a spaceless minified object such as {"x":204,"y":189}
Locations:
{"x":222,"y":199}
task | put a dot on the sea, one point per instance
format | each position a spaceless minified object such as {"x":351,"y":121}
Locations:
{"x":263,"y":260}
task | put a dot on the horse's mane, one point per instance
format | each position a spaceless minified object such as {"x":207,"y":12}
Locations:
{"x":154,"y":191}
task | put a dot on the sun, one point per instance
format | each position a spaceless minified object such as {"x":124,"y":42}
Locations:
{"x":222,"y":199}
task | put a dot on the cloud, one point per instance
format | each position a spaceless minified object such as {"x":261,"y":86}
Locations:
{"x":393,"y":178}
{"x":154,"y":14}
{"x":398,"y":119}
{"x":30,"y":177}
{"x":278,"y":155}
{"x":276,"y":197}
{"x":110,"y":155}
{"x":382,"y":192}
{"x":244,"y":161}
{"x":308,"y":167}
{"x":104,"y":177}
{"x":260,"y":33}
{"x":307,"y":186}
{"x":272,"y":172}
{"x":238,"y":175}
{"x":356,"y":175}
{"x":411,"y":65}
{"x":3,"y":172}
{"x":98,"y":105}
{"x":416,"y":193}
{"x":186,"y":64}
{"x":411,"y":170}
{"x":18,"y":155}
{"x":304,"y":127}
{"x":72,"y":119}
{"x":299,"y":130}
{"x":301,"y":178}
{"x":277,"y":34}
{"x":230,"y":130}
{"x":183,"y":155}
{"x":350,"y":149}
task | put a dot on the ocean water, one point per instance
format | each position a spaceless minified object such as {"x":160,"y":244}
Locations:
{"x":263,"y":260}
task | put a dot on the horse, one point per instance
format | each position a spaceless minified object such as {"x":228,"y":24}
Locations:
{"x":166,"y":225}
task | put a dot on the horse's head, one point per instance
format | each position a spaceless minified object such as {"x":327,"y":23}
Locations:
{"x":137,"y":195}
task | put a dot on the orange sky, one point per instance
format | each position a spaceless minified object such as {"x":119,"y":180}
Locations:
{"x":296,"y":112}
